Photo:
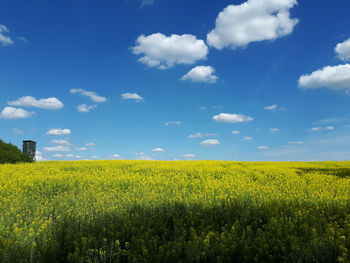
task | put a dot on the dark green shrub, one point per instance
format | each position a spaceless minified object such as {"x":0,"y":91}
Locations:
{"x":11,"y":154}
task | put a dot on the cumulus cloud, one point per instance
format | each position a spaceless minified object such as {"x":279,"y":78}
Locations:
{"x":168,"y":123}
{"x":80,"y":148}
{"x":89,"y":144}
{"x":85,"y":107}
{"x":61,"y":142}
{"x":115,"y":156}
{"x":158,"y":149}
{"x":201,"y":135}
{"x":39,"y":156}
{"x":274,"y":129}
{"x":132,"y":96}
{"x":91,"y":94}
{"x":330,"y":77}
{"x":163,"y":52}
{"x":236,"y":132}
{"x":210,"y":142}
{"x":201,"y":74}
{"x":247,"y":138}
{"x":59,"y":132}
{"x":15,"y":113}
{"x":58,"y":148}
{"x":263,"y":147}
{"x":29,"y":101}
{"x":5,"y":40}
{"x":343,"y":50}
{"x":228,"y":117}
{"x":254,"y":20}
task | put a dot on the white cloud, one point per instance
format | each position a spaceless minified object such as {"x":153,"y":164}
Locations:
{"x":90,"y":144}
{"x":328,"y":128}
{"x":39,"y":156}
{"x":15,"y":113}
{"x":116,"y":156}
{"x":274,"y":129}
{"x":59,"y":148}
{"x":91,"y":94}
{"x":247,"y":138}
{"x":164,"y":52}
{"x":228,"y":117}
{"x":58,"y":155}
{"x":254,"y":20}
{"x":85,"y":107}
{"x":201,"y":135}
{"x":17,"y":131}
{"x":272,"y":107}
{"x":316,"y":128}
{"x":132,"y":96}
{"x":70,"y":155}
{"x":61,"y":142}
{"x":78,"y":157}
{"x":296,"y":143}
{"x":236,"y":132}
{"x":59,"y":132}
{"x":263,"y":147}
{"x":210,"y":142}
{"x":80,"y":148}
{"x":330,"y":77}
{"x":343,"y":50}
{"x":5,"y":40}
{"x":29,"y":101}
{"x":201,"y":74}
{"x":172,"y":123}
{"x":158,"y":150}
{"x":94,"y":157}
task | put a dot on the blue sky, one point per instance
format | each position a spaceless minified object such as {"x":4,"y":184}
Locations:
{"x":257,"y":80}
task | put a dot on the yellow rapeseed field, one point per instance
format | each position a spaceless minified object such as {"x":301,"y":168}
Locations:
{"x":180,"y":211}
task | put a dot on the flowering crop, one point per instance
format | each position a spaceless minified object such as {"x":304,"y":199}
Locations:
{"x":183,"y":211}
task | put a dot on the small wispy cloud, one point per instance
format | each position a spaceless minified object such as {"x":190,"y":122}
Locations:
{"x":85,"y":107}
{"x":210,"y":142}
{"x":168,"y":123}
{"x":91,"y":94}
{"x":201,"y":135}
{"x":59,"y":132}
{"x":132,"y":96}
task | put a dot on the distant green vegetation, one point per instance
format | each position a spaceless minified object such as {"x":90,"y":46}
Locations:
{"x":193,"y":211}
{"x":11,"y":154}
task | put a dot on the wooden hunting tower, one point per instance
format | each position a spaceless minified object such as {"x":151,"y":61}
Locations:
{"x":29,"y":147}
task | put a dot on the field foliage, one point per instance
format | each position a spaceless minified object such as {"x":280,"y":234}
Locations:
{"x":183,"y":211}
